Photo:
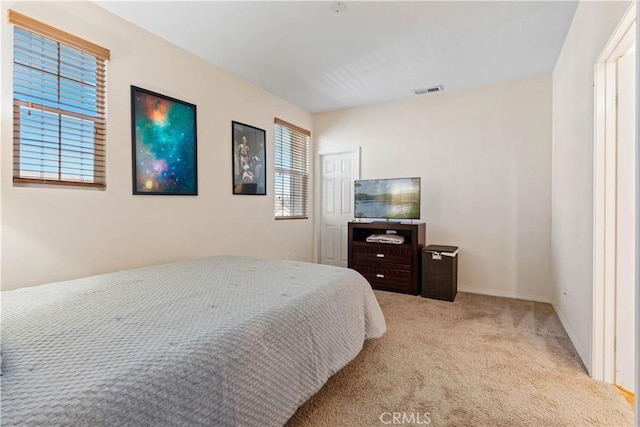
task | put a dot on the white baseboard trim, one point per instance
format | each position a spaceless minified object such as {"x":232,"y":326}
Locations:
{"x":572,"y":337}
{"x":504,"y":294}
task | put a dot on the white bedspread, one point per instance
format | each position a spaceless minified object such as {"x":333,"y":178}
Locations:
{"x":222,"y":341}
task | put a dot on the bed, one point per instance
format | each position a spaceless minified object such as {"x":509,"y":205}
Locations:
{"x":224,"y":341}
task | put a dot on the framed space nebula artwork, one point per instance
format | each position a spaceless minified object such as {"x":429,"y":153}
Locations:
{"x":164,"y":151}
{"x":249,"y":160}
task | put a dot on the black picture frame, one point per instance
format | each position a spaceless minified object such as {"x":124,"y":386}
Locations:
{"x":249,"y":159}
{"x":163,"y":144}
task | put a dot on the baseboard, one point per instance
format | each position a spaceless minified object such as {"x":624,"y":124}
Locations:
{"x":572,"y":337}
{"x":504,"y":294}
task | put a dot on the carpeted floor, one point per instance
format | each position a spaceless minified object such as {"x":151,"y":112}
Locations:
{"x":480,"y":361}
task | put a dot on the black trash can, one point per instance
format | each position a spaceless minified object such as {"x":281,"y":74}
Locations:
{"x":440,"y":272}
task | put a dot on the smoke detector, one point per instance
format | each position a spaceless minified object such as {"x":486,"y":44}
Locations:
{"x":434,"y":89}
{"x":339,"y":6}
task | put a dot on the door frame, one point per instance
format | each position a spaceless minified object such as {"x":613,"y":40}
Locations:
{"x":637,"y":399}
{"x":318,"y":194}
{"x":604,"y":197}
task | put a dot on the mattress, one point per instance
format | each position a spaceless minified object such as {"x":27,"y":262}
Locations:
{"x":224,"y":341}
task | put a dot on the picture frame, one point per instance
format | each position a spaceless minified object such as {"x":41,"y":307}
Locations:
{"x":163,"y":144}
{"x":249,"y":155}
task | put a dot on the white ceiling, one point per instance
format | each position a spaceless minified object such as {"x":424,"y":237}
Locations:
{"x":372,"y":52}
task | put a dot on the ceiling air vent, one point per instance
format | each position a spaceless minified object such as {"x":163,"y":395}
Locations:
{"x":434,"y":89}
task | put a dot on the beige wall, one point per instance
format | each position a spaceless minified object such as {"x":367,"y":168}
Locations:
{"x":572,"y":169}
{"x":51,"y":234}
{"x":484,"y":156}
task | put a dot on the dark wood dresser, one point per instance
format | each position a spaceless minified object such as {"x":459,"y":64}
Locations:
{"x":389,"y":267}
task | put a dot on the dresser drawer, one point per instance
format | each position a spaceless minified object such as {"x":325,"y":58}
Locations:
{"x":383,"y":276}
{"x":364,"y":253}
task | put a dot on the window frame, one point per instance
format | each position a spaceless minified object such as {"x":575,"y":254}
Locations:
{"x":303,"y":176}
{"x":97,"y":143}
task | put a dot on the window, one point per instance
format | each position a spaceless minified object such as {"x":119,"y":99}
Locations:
{"x":292,"y":171}
{"x":59,"y":101}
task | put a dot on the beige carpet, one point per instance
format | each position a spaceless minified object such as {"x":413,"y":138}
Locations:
{"x":480,"y":361}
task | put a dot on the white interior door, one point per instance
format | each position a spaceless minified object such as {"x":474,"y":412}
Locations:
{"x":625,"y":224}
{"x":338,"y":172}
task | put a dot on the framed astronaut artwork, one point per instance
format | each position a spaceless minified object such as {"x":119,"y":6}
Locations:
{"x":249,"y":159}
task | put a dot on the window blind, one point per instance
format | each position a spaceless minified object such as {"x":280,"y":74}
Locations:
{"x":59,"y":97}
{"x":291,"y":171}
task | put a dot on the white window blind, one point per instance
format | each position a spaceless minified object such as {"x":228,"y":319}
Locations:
{"x":291,"y":171}
{"x":59,"y":97}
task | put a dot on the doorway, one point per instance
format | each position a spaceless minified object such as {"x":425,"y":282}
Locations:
{"x":338,"y":171}
{"x":615,"y":168}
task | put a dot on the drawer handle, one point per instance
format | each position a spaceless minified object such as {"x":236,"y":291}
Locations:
{"x":380,"y":275}
{"x":380,"y":255}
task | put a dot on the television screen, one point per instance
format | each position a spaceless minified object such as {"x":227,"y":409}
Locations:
{"x":396,"y":198}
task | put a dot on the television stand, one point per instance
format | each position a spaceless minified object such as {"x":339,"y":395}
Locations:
{"x":387,"y":267}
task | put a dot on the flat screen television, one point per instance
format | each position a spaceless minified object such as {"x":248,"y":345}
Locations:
{"x":395,"y":198}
